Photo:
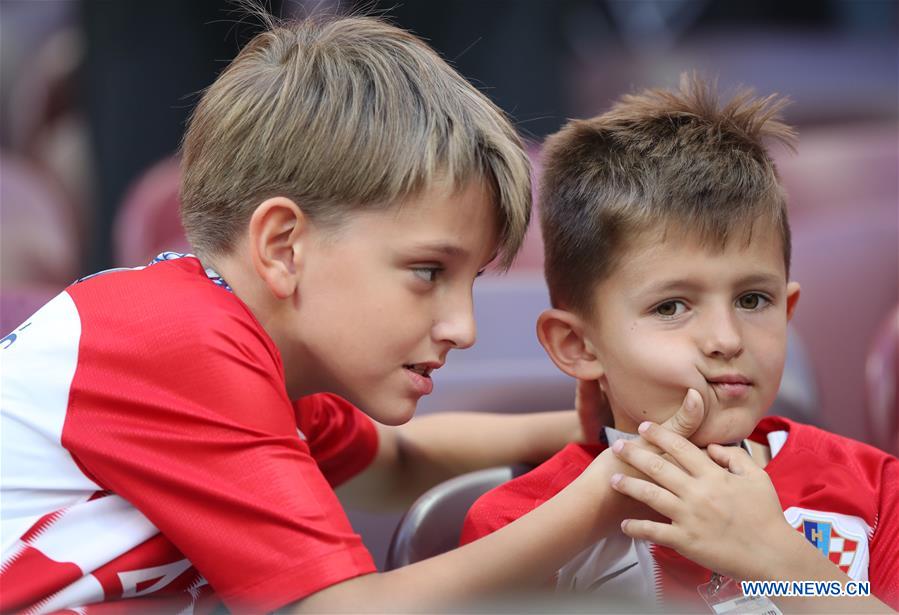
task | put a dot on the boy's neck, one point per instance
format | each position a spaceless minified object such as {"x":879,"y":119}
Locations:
{"x":761,"y":453}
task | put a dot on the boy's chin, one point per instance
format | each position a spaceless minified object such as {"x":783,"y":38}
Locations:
{"x":397,"y":413}
{"x":724,"y":435}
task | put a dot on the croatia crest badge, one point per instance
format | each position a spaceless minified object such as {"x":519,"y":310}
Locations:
{"x":843,"y":539}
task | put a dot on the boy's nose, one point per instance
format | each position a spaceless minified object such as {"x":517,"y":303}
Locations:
{"x":457,"y":326}
{"x":721,"y":336}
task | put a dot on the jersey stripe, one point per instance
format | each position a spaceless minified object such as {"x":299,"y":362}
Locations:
{"x":39,"y":476}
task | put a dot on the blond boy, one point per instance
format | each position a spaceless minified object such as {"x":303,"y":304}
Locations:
{"x":166,"y":439}
{"x":667,"y":259}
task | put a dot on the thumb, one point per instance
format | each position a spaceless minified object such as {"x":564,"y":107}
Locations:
{"x":732,"y":458}
{"x":688,"y":417}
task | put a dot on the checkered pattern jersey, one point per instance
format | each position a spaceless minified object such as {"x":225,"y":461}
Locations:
{"x":841,"y":494}
{"x":152,"y":461}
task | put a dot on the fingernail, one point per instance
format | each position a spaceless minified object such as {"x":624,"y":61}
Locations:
{"x":616,"y":478}
{"x":624,"y":524}
{"x":618,"y":446}
{"x":644,"y":426}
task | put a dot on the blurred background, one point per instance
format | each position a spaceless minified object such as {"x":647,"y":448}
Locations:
{"x":94,"y":96}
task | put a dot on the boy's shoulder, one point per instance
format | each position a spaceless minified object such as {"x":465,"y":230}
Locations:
{"x":172,"y":304}
{"x":814,"y":469}
{"x":170,"y":330}
{"x":795,"y":443}
{"x":171,"y":279}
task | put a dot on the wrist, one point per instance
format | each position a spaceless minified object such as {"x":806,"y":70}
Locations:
{"x":793,"y":558}
{"x":615,"y":506}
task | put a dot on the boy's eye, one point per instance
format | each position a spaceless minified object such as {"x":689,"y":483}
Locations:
{"x":428,"y":274}
{"x":670,"y":309}
{"x":752,"y":301}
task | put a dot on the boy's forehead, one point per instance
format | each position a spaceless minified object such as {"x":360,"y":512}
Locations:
{"x":449,"y":199}
{"x":668,"y":252}
{"x":454,"y":221}
{"x":762,"y":238}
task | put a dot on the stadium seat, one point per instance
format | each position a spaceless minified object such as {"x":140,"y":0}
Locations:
{"x":530,"y":257}
{"x":846,"y":263}
{"x":18,"y":302}
{"x":798,"y":396}
{"x":881,"y":378}
{"x":37,"y":227}
{"x":433,"y":523}
{"x":45,"y":121}
{"x":149,"y":221}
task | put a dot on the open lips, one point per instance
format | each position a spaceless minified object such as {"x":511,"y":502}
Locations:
{"x":423,"y":369}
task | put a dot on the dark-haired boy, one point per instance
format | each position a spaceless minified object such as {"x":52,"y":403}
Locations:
{"x":667,"y":259}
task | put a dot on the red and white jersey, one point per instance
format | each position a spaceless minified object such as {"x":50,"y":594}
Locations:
{"x":841,"y":494}
{"x":152,"y":461}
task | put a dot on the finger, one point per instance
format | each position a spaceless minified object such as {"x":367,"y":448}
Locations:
{"x":592,"y":408}
{"x":733,"y":458}
{"x":686,"y":420}
{"x":657,"y":469}
{"x":689,"y":416}
{"x":663,"y":534}
{"x":660,"y":500}
{"x":684,"y":452}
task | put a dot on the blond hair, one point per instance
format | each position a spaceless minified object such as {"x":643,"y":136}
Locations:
{"x":341,"y":114}
{"x":656,"y":159}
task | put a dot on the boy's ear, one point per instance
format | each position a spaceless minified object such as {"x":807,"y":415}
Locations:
{"x":561,"y":333}
{"x":792,"y":298}
{"x":277,"y":231}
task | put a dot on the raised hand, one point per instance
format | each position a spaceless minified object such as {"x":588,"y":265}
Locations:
{"x":684,"y":422}
{"x":721,"y":504}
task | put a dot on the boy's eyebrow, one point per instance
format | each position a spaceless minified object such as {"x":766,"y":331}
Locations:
{"x":451,"y":250}
{"x":760,"y":279}
{"x":668,"y":286}
{"x":754,"y":279}
{"x":445,"y":248}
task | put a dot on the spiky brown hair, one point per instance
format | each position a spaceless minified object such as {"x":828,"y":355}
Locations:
{"x":658,"y":159}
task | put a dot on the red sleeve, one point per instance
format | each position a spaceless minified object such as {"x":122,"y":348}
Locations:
{"x":884,"y":570}
{"x":506,"y":503}
{"x":342,"y":438}
{"x":496,"y":509}
{"x":179,"y":406}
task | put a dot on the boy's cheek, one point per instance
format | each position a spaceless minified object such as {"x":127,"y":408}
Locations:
{"x":642,"y":400}
{"x":767,"y":371}
{"x":647,"y":381}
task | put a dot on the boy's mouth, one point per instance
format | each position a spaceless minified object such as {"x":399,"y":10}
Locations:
{"x":729,"y":379}
{"x":730,"y":386}
{"x":423,"y":369}
{"x":420,"y":376}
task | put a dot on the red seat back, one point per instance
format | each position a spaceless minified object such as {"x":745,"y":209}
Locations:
{"x":881,"y":378}
{"x":149,"y":220}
